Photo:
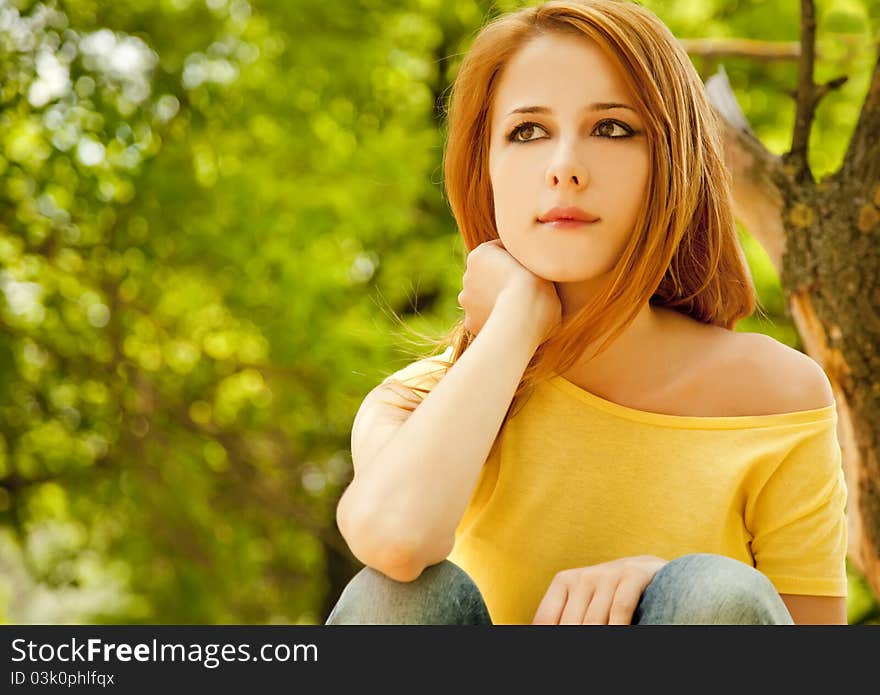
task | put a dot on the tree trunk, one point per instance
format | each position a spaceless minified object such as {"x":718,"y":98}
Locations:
{"x":824,"y":240}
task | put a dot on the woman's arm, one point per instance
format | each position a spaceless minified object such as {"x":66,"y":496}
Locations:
{"x":816,"y":610}
{"x":400,"y":512}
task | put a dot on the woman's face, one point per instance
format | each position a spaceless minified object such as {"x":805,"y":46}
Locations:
{"x":582,"y":152}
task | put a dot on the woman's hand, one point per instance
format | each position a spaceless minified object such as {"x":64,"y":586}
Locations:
{"x":491,"y":271}
{"x":604,"y":594}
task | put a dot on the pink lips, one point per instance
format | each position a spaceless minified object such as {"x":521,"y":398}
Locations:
{"x":568,"y":217}
{"x":567,"y":224}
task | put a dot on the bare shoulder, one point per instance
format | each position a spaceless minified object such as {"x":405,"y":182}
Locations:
{"x":775,"y":377}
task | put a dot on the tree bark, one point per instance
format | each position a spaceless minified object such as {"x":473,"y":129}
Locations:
{"x":824,"y":240}
{"x":742,"y":48}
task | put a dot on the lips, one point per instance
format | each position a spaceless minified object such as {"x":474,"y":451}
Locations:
{"x":561,"y":224}
{"x":568,"y":214}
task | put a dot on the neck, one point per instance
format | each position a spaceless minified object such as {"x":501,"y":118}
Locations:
{"x":625,"y":358}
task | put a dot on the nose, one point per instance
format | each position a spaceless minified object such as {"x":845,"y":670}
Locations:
{"x":565,"y":171}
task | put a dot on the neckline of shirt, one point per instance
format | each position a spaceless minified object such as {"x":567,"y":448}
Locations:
{"x":699,"y":421}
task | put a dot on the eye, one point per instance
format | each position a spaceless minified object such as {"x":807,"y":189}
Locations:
{"x":606,"y":128}
{"x":523,"y":127}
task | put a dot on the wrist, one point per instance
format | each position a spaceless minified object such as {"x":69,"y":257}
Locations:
{"x":518,"y":305}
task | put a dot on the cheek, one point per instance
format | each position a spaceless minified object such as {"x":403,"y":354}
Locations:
{"x":510,"y":194}
{"x":639,"y":194}
{"x":624,"y":192}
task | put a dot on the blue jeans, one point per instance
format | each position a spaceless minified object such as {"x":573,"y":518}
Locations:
{"x":695,"y":589}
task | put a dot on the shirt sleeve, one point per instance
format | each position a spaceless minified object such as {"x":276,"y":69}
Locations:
{"x":423,"y":373}
{"x":798,"y":516}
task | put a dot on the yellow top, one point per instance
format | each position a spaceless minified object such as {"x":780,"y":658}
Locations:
{"x":576,"y":480}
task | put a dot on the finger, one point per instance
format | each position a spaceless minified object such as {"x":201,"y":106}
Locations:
{"x":600,"y":605}
{"x":626,"y":599}
{"x":551,"y":606}
{"x":579,"y":597}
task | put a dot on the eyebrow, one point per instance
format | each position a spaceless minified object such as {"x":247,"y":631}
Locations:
{"x":597,"y":106}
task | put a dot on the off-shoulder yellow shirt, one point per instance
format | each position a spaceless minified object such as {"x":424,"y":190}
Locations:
{"x":576,"y":480}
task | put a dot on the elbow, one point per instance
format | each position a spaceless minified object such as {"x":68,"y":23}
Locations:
{"x":405,"y":562}
{"x":385,"y":548}
{"x":400,"y":564}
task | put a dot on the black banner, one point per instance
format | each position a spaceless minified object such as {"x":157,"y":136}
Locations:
{"x":268,"y":659}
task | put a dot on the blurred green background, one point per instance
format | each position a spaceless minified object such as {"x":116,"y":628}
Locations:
{"x":213,"y":212}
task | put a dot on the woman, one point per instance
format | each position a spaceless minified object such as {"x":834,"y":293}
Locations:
{"x":597,"y":445}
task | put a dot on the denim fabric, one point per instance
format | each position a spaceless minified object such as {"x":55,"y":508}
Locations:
{"x":695,"y":589}
{"x":443,"y":594}
{"x":710,"y":589}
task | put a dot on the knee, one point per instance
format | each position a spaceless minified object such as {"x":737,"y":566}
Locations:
{"x":444,"y":594}
{"x":707,"y":588}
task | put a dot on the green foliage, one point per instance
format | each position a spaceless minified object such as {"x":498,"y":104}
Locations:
{"x":211,"y":213}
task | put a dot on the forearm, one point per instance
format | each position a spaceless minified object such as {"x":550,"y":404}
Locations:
{"x":413,"y":495}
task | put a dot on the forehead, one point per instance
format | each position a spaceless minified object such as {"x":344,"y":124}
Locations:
{"x":558,"y":69}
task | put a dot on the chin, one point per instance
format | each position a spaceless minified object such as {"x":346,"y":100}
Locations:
{"x":558,"y":273}
{"x":543,"y":262}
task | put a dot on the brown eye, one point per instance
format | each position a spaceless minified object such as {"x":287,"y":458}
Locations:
{"x":605,"y":129}
{"x":523,"y":128}
{"x":526,"y":129}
